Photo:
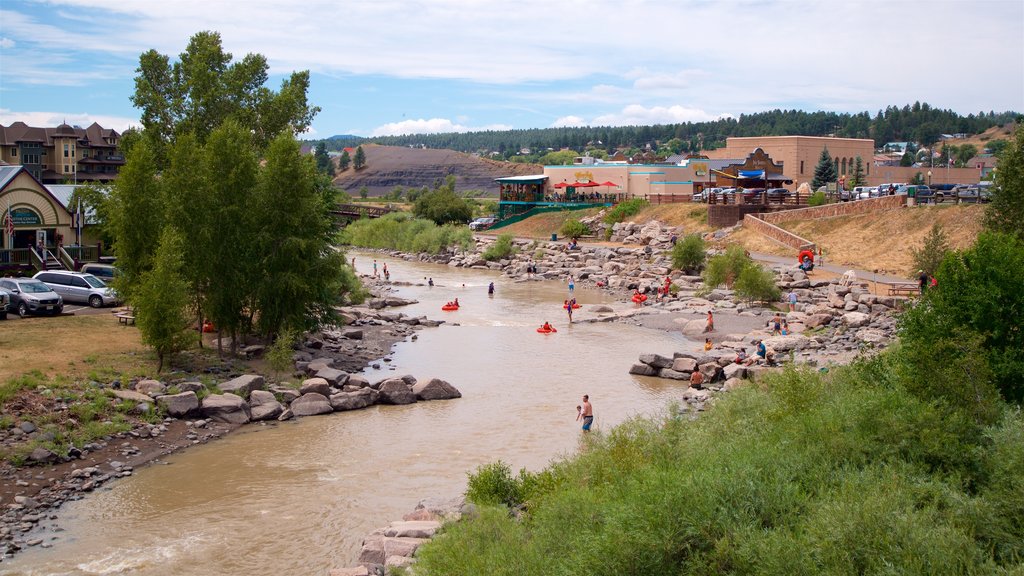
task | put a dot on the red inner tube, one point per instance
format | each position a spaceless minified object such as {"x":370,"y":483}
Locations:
{"x":448,"y":308}
{"x":542,"y":330}
{"x":805,"y":254}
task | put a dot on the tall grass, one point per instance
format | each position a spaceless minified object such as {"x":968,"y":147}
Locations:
{"x":625,"y":209}
{"x":810,"y":473}
{"x":400,"y":231}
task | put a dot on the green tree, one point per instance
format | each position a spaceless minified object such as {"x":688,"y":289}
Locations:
{"x":503,"y":247}
{"x":323,"y":160}
{"x":907,"y":159}
{"x":344,"y":160}
{"x":932,"y":251}
{"x":92,"y":199}
{"x":918,"y":178}
{"x":689,"y":253}
{"x":292,"y":233}
{"x":364,"y":192}
{"x":817,"y":198}
{"x":825,"y":171}
{"x":980,"y":292}
{"x":996,"y":146}
{"x":574,"y":229}
{"x":136,"y":217}
{"x":559,"y":158}
{"x":161,"y":299}
{"x":965,"y":152}
{"x":442,"y":205}
{"x":1006,"y":212}
{"x":360,"y":160}
{"x":858,"y":178}
{"x":725,"y":268}
{"x":757,"y":284}
{"x":204,"y":88}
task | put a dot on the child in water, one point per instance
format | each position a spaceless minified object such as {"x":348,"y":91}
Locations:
{"x":707,"y":344}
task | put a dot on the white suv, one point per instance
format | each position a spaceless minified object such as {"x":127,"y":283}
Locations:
{"x":482,"y":223}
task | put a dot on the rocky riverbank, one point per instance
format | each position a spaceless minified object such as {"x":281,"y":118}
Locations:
{"x":198,"y":408}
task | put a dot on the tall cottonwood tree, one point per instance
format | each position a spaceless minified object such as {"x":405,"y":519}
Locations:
{"x":136,"y":216}
{"x":205,"y":87}
{"x":161,"y":299}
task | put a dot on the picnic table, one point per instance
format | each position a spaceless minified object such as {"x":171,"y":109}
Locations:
{"x":904,"y":288}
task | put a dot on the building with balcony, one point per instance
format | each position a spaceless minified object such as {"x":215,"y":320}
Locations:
{"x":64,"y":153}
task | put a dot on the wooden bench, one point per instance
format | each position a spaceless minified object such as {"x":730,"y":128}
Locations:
{"x":904,"y":289}
{"x":125,"y":318}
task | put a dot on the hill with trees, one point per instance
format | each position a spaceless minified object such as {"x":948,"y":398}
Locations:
{"x":918,"y":122}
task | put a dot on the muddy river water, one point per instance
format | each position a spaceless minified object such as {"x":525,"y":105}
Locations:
{"x":297,"y":498}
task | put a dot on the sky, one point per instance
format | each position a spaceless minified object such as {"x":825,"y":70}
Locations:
{"x":388,"y":67}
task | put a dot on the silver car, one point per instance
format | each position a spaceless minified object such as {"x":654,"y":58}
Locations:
{"x":78,"y":287}
{"x":29,"y":296}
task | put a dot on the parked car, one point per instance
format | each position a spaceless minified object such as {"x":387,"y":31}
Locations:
{"x":30,"y":296}
{"x":78,"y":287}
{"x":5,"y":303}
{"x":752,"y":194}
{"x":482,"y":223}
{"x":920,"y":192}
{"x":889,"y":188}
{"x":105,"y":272}
{"x":972,"y":193}
{"x":777,"y":194}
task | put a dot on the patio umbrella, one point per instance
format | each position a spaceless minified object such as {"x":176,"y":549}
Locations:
{"x":586,"y":184}
{"x":609,"y":184}
{"x":561,"y":185}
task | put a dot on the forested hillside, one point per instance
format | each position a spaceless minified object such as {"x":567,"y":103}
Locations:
{"x":916,"y":123}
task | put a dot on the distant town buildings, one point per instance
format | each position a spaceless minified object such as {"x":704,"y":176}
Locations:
{"x":63,"y":153}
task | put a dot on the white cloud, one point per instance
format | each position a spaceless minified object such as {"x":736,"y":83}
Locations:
{"x":568,"y":121}
{"x":44,"y":119}
{"x":431,"y":126}
{"x":637,"y":114}
{"x":6,"y":43}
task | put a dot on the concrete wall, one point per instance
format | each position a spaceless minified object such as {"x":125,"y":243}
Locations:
{"x":838,"y":209}
{"x":755,"y":223}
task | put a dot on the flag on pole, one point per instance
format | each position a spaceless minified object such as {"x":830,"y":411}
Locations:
{"x":8,"y":222}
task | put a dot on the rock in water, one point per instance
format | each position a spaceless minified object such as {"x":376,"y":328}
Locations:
{"x":229,"y":408}
{"x":311,"y":404}
{"x":396,"y":391}
{"x":435,"y":389}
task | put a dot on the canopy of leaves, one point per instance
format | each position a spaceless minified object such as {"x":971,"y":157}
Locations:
{"x":1006,"y":212}
{"x":161,"y":299}
{"x":442,"y":205}
{"x":204,"y":88}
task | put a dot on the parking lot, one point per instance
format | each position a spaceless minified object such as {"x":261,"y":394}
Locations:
{"x":69,"y":310}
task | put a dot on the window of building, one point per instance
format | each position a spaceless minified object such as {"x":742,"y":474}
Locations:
{"x":14,"y":151}
{"x":66,"y":150}
{"x":72,"y":151}
{"x":801,"y":166}
{"x":65,"y":168}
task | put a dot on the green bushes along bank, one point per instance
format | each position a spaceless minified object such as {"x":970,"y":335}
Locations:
{"x":400,"y":231}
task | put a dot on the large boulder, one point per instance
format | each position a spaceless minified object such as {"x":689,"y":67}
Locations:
{"x":132,"y":396}
{"x":311,"y":404}
{"x":151,"y":388}
{"x":684,"y":365}
{"x":179,"y":405}
{"x":656,"y":360}
{"x":786,"y":343}
{"x":264,"y":405}
{"x":333,"y":376}
{"x":396,"y":391}
{"x":855,"y":319}
{"x":672,"y":374}
{"x":378,"y":547}
{"x":229,"y":408}
{"x":734,"y":371}
{"x":412,"y":529}
{"x":435,"y":389}
{"x":318,"y":385}
{"x":243,"y":385}
{"x":353,"y":400}
{"x":641,"y":369}
{"x":358,"y":381}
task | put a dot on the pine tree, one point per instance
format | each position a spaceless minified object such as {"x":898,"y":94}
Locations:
{"x":858,"y":173}
{"x":825,"y":171}
{"x":1006,"y":212}
{"x":323,"y":160}
{"x":344,"y":161}
{"x":360,"y":160}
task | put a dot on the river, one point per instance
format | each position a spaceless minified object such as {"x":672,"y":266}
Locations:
{"x":297,"y":498}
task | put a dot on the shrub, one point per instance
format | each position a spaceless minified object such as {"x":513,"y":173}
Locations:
{"x":725,"y":268}
{"x":931,"y":252}
{"x":816,"y":199}
{"x":400,"y":231}
{"x":757,"y":284}
{"x":502,"y":248}
{"x":574,"y":229}
{"x":689,"y":253}
{"x":625,"y":209}
{"x":279,"y":356}
{"x":493,"y":484}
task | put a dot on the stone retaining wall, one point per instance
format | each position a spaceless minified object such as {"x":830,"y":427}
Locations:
{"x":756,"y":223}
{"x":838,"y":209}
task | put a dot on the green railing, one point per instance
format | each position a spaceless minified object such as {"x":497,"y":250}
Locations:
{"x":541,"y":210}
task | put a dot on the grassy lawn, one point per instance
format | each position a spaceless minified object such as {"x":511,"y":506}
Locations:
{"x":92,"y":346}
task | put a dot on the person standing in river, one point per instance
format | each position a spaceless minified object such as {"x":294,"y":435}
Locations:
{"x":572,"y":284}
{"x":586,"y":413}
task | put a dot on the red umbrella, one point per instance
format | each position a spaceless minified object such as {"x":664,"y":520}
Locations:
{"x":609,"y":184}
{"x":586,"y":184}
{"x":561,"y":185}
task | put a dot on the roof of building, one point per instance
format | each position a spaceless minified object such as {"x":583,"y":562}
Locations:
{"x":7,"y":173}
{"x":93,"y":136}
{"x":530,"y":179}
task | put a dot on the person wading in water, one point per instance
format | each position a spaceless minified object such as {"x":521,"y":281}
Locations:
{"x":586,"y":412}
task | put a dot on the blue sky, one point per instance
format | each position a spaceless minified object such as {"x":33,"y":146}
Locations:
{"x":418,"y":66}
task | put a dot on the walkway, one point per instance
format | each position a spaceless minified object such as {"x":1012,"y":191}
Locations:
{"x":829,"y":267}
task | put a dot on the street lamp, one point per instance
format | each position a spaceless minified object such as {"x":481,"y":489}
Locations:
{"x":929,"y":178}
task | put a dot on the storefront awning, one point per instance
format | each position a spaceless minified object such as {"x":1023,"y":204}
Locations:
{"x":533,"y":179}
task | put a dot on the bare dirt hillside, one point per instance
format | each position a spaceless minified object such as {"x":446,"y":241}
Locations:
{"x":1004,"y":132}
{"x":391,"y":166}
